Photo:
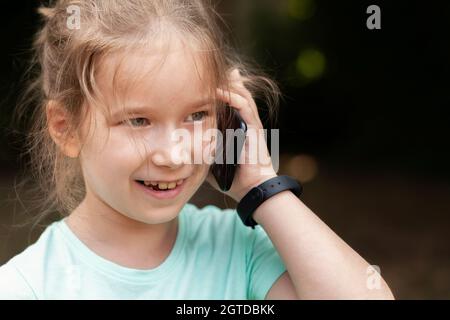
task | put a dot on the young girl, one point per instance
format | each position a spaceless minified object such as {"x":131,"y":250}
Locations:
{"x":116,"y":79}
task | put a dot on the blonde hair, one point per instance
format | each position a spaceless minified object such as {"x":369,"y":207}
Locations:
{"x":63,"y":69}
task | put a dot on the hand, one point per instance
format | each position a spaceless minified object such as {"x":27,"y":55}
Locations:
{"x":249,"y":173}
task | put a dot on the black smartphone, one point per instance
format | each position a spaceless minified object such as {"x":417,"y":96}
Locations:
{"x":222,"y":171}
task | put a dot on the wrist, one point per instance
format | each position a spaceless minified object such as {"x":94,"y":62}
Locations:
{"x":241,"y":194}
{"x":261,"y":212}
{"x":262,"y":192}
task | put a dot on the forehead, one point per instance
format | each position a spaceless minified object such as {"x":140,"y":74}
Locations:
{"x":171,"y":74}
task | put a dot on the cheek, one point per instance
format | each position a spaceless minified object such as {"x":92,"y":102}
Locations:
{"x":111,"y":157}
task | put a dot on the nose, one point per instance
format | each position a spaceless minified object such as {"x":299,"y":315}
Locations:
{"x":169,"y":151}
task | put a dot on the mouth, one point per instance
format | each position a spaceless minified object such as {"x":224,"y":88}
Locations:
{"x":161,"y":190}
{"x":161,"y":186}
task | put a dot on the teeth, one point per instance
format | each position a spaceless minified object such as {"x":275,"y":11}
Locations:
{"x":171,"y":185}
{"x":164,"y":185}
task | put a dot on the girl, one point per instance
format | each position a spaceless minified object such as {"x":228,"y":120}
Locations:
{"x":116,"y":79}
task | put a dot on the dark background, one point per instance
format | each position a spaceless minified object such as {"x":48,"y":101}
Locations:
{"x":364,"y":124}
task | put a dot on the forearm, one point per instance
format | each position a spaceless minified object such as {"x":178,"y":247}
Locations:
{"x":320,"y":264}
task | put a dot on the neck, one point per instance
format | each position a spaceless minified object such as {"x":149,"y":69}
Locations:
{"x":120,"y":239}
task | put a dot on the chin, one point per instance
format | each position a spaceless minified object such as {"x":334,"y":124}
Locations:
{"x":158,"y":215}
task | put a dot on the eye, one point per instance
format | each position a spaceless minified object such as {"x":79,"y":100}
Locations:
{"x":199,"y":115}
{"x":136,"y":122}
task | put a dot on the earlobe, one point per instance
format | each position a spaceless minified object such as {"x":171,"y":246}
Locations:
{"x":71,"y":147}
{"x":57,"y":120}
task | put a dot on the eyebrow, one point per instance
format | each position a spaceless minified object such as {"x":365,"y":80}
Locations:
{"x":143,"y":109}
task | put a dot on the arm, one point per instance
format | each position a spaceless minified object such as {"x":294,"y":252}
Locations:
{"x":282,"y":289}
{"x":320,"y":264}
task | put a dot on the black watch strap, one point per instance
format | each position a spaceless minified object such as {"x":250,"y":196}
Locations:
{"x":257,"y":195}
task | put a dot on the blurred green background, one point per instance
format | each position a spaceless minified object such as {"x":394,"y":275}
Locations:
{"x":364,"y":124}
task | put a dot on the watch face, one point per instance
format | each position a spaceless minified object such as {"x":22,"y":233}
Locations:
{"x":257,"y":194}
{"x":265,"y":190}
{"x":248,"y":205}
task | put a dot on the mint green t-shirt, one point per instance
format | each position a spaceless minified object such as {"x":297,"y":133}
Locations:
{"x":215,"y":256}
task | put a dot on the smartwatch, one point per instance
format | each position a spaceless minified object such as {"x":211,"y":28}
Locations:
{"x":257,"y":195}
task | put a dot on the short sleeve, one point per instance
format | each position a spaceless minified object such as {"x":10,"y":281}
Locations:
{"x":265,"y":265}
{"x":13,"y":286}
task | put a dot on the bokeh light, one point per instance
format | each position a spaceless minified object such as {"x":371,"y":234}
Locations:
{"x":303,"y":167}
{"x":311,"y":64}
{"x":301,"y":9}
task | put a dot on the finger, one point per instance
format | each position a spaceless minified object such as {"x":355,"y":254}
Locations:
{"x":239,"y":87}
{"x":229,"y":95}
{"x":240,"y":103}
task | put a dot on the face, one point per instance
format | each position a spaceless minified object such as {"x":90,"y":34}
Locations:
{"x":135,"y":141}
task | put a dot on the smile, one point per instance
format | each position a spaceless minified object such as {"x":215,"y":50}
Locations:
{"x":161,"y":185}
{"x":161,"y":190}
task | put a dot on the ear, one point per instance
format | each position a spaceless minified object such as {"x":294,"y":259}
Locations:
{"x":58,"y":120}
